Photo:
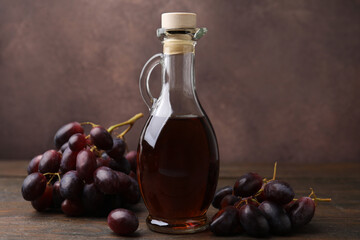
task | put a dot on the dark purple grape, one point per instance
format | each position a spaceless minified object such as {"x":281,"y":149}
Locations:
{"x":106,"y":180}
{"x":86,"y":165}
{"x":261,"y":197}
{"x":131,"y":157}
{"x":101,"y":138}
{"x":92,"y":198}
{"x":279,"y":192}
{"x":121,"y":165}
{"x":50,"y":162}
{"x":65,"y":132}
{"x":68,"y":160}
{"x":302,"y":211}
{"x":277,"y":218}
{"x":102,"y":161}
{"x":72,"y":208}
{"x":220,"y":194}
{"x":71,"y":186}
{"x":123,"y":221}
{"x":45,"y":200}
{"x":228,"y":200}
{"x":33,"y":186}
{"x":56,"y":196}
{"x":226,"y":222}
{"x":77,"y":142}
{"x":132,"y":194}
{"x":34,"y":164}
{"x":247,"y":185}
{"x":123,"y":182}
{"x":115,"y":201}
{"x":253,"y":221}
{"x":118,"y":148}
{"x":64,"y":146}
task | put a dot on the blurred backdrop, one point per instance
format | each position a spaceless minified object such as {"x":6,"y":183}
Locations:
{"x":280,"y":80}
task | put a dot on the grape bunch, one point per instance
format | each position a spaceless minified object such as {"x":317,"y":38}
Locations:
{"x":87,"y":175}
{"x":261,"y":207}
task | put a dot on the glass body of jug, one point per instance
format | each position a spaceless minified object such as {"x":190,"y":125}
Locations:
{"x":178,"y":159}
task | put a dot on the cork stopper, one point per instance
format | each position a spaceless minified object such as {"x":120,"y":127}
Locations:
{"x":176,"y":20}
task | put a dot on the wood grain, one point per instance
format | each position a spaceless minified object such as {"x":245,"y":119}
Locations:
{"x":339,"y":219}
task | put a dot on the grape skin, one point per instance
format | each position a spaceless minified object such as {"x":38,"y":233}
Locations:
{"x":279,"y":192}
{"x":72,"y":208}
{"x":123,"y":221}
{"x":118,"y":148}
{"x":33,"y":186}
{"x":220,"y":194}
{"x":92,"y":198}
{"x":71,"y":185}
{"x":228,"y":200}
{"x":45,"y":200}
{"x":132,"y":159}
{"x":68,"y":161}
{"x":34,"y":164}
{"x":247,"y":185}
{"x":65,"y":132}
{"x":253,"y":221}
{"x":302,"y":211}
{"x":56,"y":196}
{"x":50,"y":162}
{"x":278,"y":220}
{"x":226,"y":222}
{"x":86,"y":165}
{"x":101,"y":138}
{"x":106,"y":180}
{"x":77,"y":142}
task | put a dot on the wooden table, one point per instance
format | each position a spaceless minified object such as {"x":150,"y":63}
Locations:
{"x":339,"y":219}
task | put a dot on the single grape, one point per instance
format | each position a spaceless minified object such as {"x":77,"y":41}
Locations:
{"x":50,"y":162}
{"x":101,"y":138}
{"x":277,"y":218}
{"x":302,"y":211}
{"x":228,"y":200}
{"x":64,"y":146}
{"x":102,"y":161}
{"x":33,"y":186}
{"x":106,"y":180}
{"x":71,"y":185}
{"x":132,"y":194}
{"x":131,"y":157}
{"x":68,"y":160}
{"x":247,"y":185}
{"x":86,"y":165}
{"x":121,"y":165}
{"x":77,"y":142}
{"x":65,"y":132}
{"x":118,"y":148}
{"x":92,"y":198}
{"x":56,"y":196}
{"x":45,"y":200}
{"x":220,"y":194}
{"x":253,"y":221}
{"x":226,"y":222}
{"x":123,"y":221}
{"x":279,"y":192}
{"x":123,"y":182}
{"x":72,"y":208}
{"x":34,"y":164}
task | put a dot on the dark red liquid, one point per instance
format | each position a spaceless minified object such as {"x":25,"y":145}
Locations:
{"x":178,"y":166}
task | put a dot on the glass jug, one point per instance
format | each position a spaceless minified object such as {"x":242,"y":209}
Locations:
{"x":178,"y":159}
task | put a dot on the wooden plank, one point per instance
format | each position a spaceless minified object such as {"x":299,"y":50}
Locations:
{"x":339,"y":219}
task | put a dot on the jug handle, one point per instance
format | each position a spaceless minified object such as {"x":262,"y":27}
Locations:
{"x":145,"y":76}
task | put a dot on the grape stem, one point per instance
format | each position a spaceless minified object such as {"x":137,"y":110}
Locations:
{"x":52,"y":176}
{"x":316,"y":199}
{"x":129,"y":122}
{"x":89,"y":123}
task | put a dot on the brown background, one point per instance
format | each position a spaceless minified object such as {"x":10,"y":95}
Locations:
{"x":280,"y":80}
